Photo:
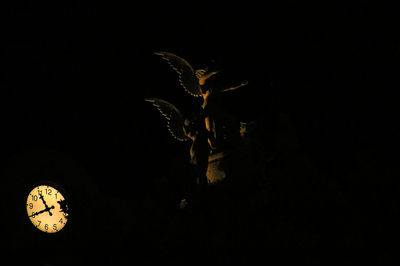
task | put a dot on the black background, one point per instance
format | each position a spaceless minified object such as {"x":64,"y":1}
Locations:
{"x":321,"y":79}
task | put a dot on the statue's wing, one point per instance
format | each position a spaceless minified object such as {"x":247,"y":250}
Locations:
{"x":187,"y":76}
{"x":175,"y":121}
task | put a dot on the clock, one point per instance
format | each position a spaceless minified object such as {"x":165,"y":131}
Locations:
{"x":47,"y":208}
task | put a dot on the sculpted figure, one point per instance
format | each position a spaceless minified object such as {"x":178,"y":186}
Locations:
{"x":216,"y":120}
{"x":184,"y":129}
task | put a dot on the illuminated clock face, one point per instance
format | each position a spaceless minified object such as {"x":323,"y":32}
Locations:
{"x":47,"y":209}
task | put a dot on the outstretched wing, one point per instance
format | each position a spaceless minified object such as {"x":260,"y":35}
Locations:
{"x":187,"y":76}
{"x":175,"y":121}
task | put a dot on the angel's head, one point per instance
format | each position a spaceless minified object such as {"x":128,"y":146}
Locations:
{"x":204,"y":75}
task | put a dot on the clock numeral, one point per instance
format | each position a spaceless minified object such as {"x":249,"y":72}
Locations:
{"x":39,"y":222}
{"x":34,"y":197}
{"x":54,"y":227}
{"x":56,"y":195}
{"x":48,"y":191}
{"x":61,"y":220}
{"x":39,"y":192}
{"x":46,"y":227}
{"x":30,"y":205}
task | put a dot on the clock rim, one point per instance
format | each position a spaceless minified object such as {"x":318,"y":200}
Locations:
{"x":63,"y":192}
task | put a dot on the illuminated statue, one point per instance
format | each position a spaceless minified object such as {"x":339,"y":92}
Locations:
{"x":187,"y":129}
{"x":217,"y":120}
{"x":193,"y":82}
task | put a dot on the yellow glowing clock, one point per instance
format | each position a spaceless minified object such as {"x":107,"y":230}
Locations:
{"x":47,"y":209}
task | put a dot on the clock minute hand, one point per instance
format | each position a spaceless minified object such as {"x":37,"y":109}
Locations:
{"x":44,"y":202}
{"x":42,"y":211}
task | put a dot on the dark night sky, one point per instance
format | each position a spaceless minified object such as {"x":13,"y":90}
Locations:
{"x":74,"y":71}
{"x":74,"y":75}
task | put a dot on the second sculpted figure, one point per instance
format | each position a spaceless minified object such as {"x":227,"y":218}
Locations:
{"x":184,"y":129}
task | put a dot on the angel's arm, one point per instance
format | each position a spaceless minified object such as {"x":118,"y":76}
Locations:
{"x":244,"y":83}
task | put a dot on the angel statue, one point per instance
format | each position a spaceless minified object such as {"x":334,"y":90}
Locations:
{"x":184,"y":129}
{"x":193,"y":81}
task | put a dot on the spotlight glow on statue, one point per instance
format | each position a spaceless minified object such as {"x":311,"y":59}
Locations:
{"x":208,"y":129}
{"x":193,"y":82}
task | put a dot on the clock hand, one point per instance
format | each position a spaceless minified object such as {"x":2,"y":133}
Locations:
{"x":42,"y":211}
{"x":44,"y":202}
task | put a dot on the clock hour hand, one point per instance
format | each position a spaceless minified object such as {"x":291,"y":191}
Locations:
{"x":42,"y":211}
